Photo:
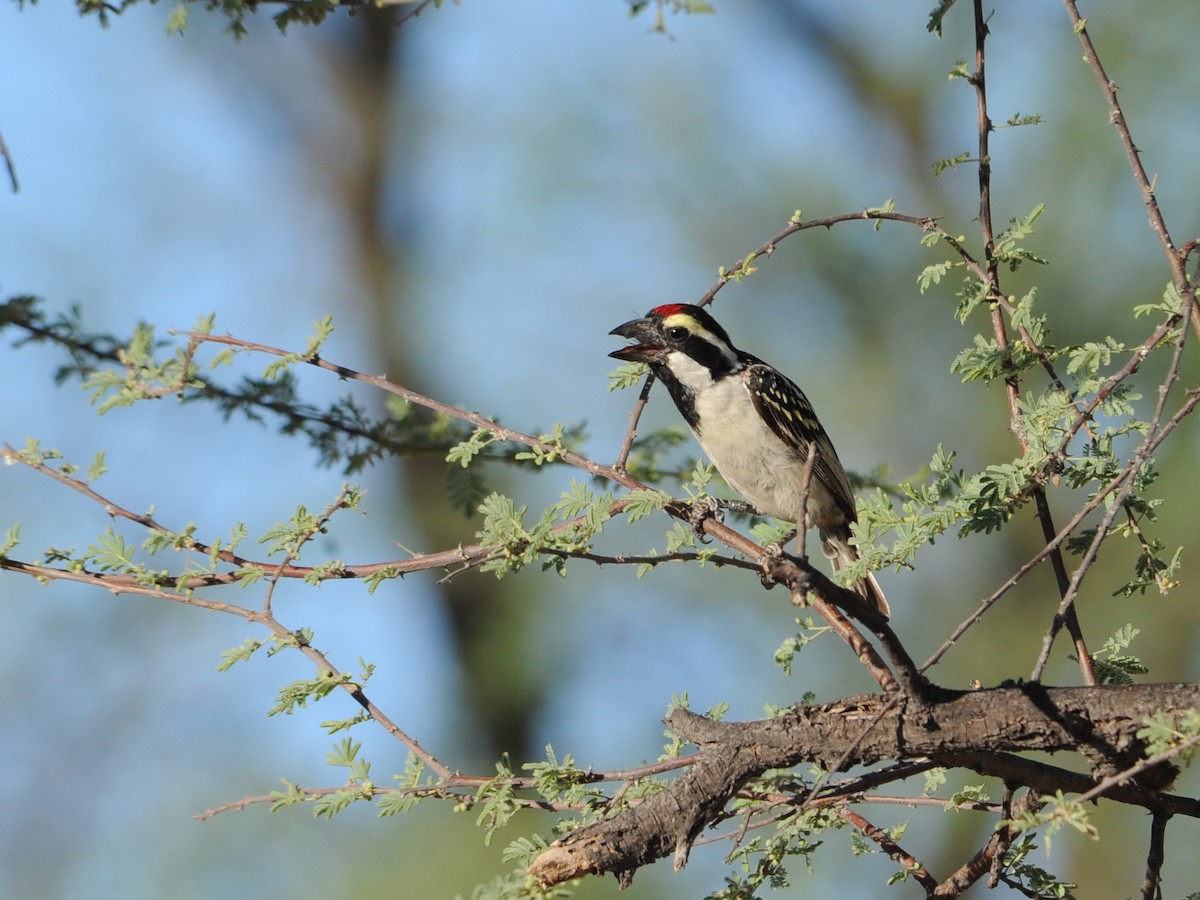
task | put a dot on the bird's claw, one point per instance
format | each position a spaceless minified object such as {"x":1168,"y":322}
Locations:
{"x":704,"y":508}
{"x":771,"y":552}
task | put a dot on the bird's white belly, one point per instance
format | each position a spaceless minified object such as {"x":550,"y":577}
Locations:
{"x":749,"y":456}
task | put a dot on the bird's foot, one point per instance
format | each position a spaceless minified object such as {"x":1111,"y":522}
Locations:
{"x":715,"y":508}
{"x":741,"y":506}
{"x":704,"y":508}
{"x":771,"y":553}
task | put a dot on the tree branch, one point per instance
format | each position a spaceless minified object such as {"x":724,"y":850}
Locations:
{"x":1100,"y":723}
{"x":1155,"y":857}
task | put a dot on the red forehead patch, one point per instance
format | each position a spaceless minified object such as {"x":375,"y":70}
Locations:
{"x":670,"y":309}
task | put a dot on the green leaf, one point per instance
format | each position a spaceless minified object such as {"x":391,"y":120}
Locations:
{"x":938,"y":16}
{"x":379,"y":576}
{"x":292,"y":796}
{"x":405,"y":797}
{"x":299,"y":692}
{"x":333,"y":726}
{"x":1017,"y":121}
{"x":465,"y":452}
{"x":11,"y":539}
{"x":967,"y":795}
{"x":932,"y":274}
{"x":787,"y":651}
{"x":523,"y":850}
{"x":1008,"y":245}
{"x":934,"y":779}
{"x":330,"y":805}
{"x":550,"y":450}
{"x":234,"y":655}
{"x":1089,"y":358}
{"x":322,"y":330}
{"x":287,"y":537}
{"x":627,"y":375}
{"x":97,"y":467}
{"x":644,"y":502}
{"x":1163,"y":733}
{"x":951,"y":162}
{"x":112,"y":553}
{"x":497,"y":801}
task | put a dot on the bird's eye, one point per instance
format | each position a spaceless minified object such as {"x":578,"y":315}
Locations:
{"x":678,"y":333}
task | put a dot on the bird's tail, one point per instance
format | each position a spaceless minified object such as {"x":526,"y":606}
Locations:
{"x":841,"y":554}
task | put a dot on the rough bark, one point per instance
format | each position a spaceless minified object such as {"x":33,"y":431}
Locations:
{"x":979,"y":730}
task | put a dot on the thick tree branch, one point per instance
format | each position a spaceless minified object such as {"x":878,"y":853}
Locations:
{"x":979,"y":730}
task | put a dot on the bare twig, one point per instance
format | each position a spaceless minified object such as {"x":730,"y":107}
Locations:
{"x":10,"y":165}
{"x":1123,"y":777}
{"x":1176,"y":259}
{"x":925,"y":223}
{"x":1155,"y":857}
{"x":635,"y":416}
{"x":802,"y":523}
{"x":889,"y":846}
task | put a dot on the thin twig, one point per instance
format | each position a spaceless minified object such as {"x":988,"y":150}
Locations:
{"x":889,"y":846}
{"x":851,"y":750}
{"x":293,"y":552}
{"x":1114,"y":484}
{"x":267,"y":621}
{"x":731,"y":538}
{"x":635,"y":416}
{"x":1155,"y":857}
{"x":1140,"y":456}
{"x":1012,"y":386}
{"x":1176,"y":259}
{"x":10,"y":165}
{"x":802,"y":523}
{"x":1126,"y":775}
{"x":925,"y":223}
{"x":460,"y":787}
{"x":988,"y":859}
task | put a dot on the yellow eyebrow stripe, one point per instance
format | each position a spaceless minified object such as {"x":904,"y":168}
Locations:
{"x":682,"y":320}
{"x":692,"y":324}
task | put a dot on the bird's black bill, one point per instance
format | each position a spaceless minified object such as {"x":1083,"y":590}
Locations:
{"x":648,"y":349}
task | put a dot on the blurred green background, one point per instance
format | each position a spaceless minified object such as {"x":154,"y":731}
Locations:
{"x":478,"y":196}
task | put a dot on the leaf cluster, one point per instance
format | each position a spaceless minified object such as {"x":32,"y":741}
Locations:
{"x":564,"y":529}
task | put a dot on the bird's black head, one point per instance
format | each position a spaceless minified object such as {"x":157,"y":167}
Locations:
{"x":677,"y":328}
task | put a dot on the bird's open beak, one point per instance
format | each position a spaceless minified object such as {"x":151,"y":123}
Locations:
{"x":648,"y":347}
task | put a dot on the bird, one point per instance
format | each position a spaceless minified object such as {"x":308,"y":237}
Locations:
{"x":754,"y":423}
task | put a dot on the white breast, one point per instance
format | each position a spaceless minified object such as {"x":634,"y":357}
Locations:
{"x":748,"y":454}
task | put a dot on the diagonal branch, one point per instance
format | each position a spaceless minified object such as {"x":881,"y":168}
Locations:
{"x":265,"y":619}
{"x":734,"y":540}
{"x":1176,"y":259}
{"x":1101,"y":495}
{"x":987,"y":860}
